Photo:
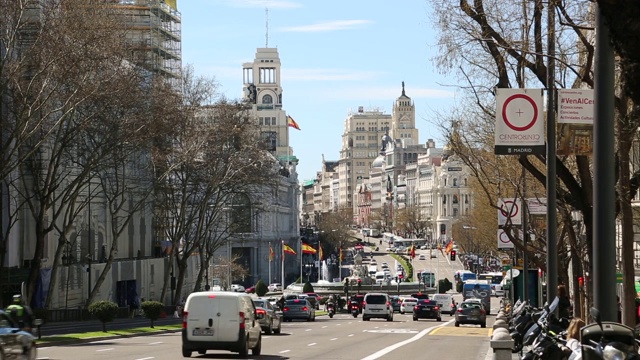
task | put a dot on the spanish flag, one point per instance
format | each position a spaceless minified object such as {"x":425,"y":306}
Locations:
{"x":308,"y":249}
{"x":449,"y":247}
{"x":292,"y":123}
{"x":272,"y":254}
{"x":320,"y":253}
{"x":413,"y":251}
{"x":341,"y":255}
{"x":286,"y":248}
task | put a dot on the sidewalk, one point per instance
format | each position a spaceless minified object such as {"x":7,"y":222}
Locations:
{"x":63,"y":328}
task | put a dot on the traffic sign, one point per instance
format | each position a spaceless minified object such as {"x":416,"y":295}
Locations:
{"x":519,"y":125}
{"x":503,"y":240}
{"x":510,"y":211}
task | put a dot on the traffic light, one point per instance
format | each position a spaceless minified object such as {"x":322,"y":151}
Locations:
{"x":359,"y":284}
{"x":453,"y":255}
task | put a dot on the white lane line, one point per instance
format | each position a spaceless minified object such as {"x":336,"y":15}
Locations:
{"x":312,"y":344}
{"x":395,"y":346}
{"x":350,"y":334}
{"x":284,"y":351}
{"x":147,"y":358}
{"x":107,"y":349}
{"x":308,"y":330}
{"x":341,"y":324}
{"x":325,"y":327}
{"x":333,"y":339}
{"x":156,"y":343}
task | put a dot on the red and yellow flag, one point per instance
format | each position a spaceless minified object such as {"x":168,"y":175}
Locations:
{"x":449,"y":247}
{"x":272,"y":254}
{"x":413,"y":251}
{"x":286,"y":248}
{"x":292,"y":123}
{"x":320,"y":253}
{"x":341,"y":255}
{"x":308,"y":249}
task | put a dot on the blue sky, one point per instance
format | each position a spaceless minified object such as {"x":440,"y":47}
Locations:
{"x":336,"y":56}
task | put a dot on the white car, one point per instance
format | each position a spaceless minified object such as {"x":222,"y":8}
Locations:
{"x":424,"y":247}
{"x":237,"y":288}
{"x":407,"y":305}
{"x":377,"y":305}
{"x":275,"y":287}
{"x":422,"y":257}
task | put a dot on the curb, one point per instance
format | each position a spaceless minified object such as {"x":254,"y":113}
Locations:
{"x":44,"y":344}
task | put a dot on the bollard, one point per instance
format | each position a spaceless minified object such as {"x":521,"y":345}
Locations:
{"x":38,"y":324}
{"x":501,"y":343}
{"x":500,"y":324}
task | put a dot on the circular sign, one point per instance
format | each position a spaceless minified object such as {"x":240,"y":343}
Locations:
{"x":510,"y":124}
{"x":504,"y":238}
{"x":513,"y":211}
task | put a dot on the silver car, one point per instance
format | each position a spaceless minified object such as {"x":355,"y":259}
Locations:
{"x":271,"y":322}
{"x":298,"y":309}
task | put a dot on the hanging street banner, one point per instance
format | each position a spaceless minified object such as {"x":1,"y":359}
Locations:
{"x":519,"y":122}
{"x":510,"y":212}
{"x":575,"y":122}
{"x":575,"y":106}
{"x":503,"y":240}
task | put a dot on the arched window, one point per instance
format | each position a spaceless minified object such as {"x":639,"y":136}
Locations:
{"x":267,"y":99}
{"x":455,"y":199}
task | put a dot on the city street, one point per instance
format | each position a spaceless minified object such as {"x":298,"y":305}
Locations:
{"x":342,"y":337}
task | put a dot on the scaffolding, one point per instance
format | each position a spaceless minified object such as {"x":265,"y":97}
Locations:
{"x":154,"y":34}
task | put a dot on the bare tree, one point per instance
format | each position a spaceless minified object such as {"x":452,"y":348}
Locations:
{"x":411,"y":220}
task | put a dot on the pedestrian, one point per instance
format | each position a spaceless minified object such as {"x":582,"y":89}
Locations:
{"x":564,"y":304}
{"x":619,"y":309}
{"x":21,"y":313}
{"x":573,"y":335}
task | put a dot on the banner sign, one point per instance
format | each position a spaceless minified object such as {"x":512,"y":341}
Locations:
{"x":519,"y":122}
{"x":575,"y":106}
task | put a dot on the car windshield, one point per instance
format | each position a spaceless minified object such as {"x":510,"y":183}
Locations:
{"x":260,"y":303}
{"x":410,"y":300}
{"x":376,"y":299}
{"x":426,"y":302}
{"x":472,"y":305}
{"x":296,"y":302}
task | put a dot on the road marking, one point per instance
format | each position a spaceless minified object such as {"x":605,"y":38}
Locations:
{"x":156,"y":343}
{"x":147,"y":358}
{"x":416,"y":337}
{"x":312,"y":344}
{"x":284,"y":351}
{"x":333,"y":339}
{"x":107,"y":349}
{"x":393,"y":331}
{"x":325,"y":327}
{"x":350,"y":334}
{"x":308,"y":330}
{"x":341,"y":324}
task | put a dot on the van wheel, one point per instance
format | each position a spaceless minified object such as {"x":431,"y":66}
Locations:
{"x":186,"y":353}
{"x":244,"y":351}
{"x":258,"y":348}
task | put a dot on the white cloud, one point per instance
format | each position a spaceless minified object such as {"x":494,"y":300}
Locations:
{"x":325,"y":75}
{"x":271,"y":4}
{"x":327,"y":26}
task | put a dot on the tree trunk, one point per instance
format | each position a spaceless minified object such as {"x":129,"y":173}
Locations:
{"x":198,"y":286}
{"x":34,"y":270}
{"x":626,"y":222}
{"x":104,"y":273}
{"x":54,"y":271}
{"x":182,"y":270}
{"x":167,"y":278}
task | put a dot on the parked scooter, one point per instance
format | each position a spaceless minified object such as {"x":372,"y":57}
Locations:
{"x":331,"y":309}
{"x":607,"y":341}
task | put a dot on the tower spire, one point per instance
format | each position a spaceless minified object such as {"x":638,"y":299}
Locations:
{"x":403,"y":88}
{"x":266,"y":16}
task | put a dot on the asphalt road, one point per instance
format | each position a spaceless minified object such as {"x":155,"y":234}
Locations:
{"x":342,"y":337}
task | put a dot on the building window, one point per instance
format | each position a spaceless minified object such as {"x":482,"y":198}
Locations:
{"x":268,"y":75}
{"x":267,"y":99}
{"x":270,"y":139}
{"x":455,"y":199}
{"x":455,"y":181}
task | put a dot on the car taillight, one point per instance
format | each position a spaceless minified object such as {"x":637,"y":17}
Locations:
{"x":241,"y":320}
{"x":285,"y":309}
{"x":459,"y":310}
{"x":415,"y":307}
{"x":436,"y":308}
{"x":482,"y":311}
{"x":304,"y":308}
{"x":184,"y":319}
{"x":260,"y":311}
{"x":364,"y":303}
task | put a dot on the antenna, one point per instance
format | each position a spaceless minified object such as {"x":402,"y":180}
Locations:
{"x":266,"y":15}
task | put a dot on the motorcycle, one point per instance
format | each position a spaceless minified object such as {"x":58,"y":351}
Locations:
{"x":355,"y":310}
{"x":607,"y":341}
{"x":331,"y":310}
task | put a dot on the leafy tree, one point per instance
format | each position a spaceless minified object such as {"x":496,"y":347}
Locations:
{"x":261,"y":288}
{"x":444,"y":285}
{"x":105,"y":311}
{"x":152,"y":310}
{"x":307,"y":288}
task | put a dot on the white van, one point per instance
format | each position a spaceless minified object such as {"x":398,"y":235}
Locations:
{"x":445,"y":301}
{"x":215,"y":320}
{"x":380,"y":277}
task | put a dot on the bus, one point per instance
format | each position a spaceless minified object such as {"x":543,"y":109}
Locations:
{"x":428,"y":278}
{"x":478,"y":289}
{"x":371,"y":232}
{"x":494,"y":279}
{"x":407,"y":243}
{"x":464,"y":275}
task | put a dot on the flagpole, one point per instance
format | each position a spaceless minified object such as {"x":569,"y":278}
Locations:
{"x":320,"y":261}
{"x":282,"y":267}
{"x":270,"y":250}
{"x":300,"y":247}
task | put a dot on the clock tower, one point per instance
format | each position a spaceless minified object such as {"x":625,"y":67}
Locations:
{"x":261,"y":89}
{"x":403,"y":120}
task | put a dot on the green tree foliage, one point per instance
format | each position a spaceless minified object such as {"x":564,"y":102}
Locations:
{"x":105,"y":311}
{"x":307,"y":287}
{"x":152,"y":310}
{"x":444,"y":285}
{"x":261,"y":288}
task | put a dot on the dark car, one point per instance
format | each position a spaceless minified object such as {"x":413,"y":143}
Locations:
{"x":471,"y":313}
{"x":298,"y":309}
{"x":426,"y":309}
{"x":271,"y":322}
{"x":14,"y":342}
{"x":395,"y":303}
